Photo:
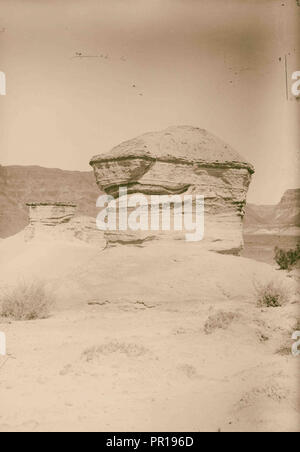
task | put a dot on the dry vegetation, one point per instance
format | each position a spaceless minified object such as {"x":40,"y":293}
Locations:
{"x":130,"y":350}
{"x":272,"y":294}
{"x":220,"y":320}
{"x":286,"y":348}
{"x":26,"y":301}
{"x":289,"y":259}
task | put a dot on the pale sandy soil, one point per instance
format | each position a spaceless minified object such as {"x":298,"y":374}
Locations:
{"x":145,"y":357}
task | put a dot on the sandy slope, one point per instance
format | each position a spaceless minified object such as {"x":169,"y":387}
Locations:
{"x":181,"y":343}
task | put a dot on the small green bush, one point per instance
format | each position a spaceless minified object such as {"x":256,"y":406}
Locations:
{"x":26,"y":301}
{"x":287,"y":259}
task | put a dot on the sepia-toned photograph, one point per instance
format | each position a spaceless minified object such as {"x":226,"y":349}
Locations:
{"x":149,"y":218}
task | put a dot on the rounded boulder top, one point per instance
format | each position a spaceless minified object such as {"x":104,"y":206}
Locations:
{"x":179,"y":144}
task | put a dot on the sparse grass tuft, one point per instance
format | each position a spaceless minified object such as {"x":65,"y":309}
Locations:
{"x":26,"y":301}
{"x":130,"y":350}
{"x":284,"y":350}
{"x":271,"y":295}
{"x":220,"y":320}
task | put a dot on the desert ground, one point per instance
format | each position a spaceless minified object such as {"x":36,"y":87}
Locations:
{"x":191,"y":107}
{"x":156,"y":338}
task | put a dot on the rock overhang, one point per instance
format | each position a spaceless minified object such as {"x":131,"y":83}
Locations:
{"x":180,"y":144}
{"x":137,"y":163}
{"x":51,"y":203}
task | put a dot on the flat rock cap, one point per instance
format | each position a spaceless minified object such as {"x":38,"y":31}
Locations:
{"x":181,"y":144}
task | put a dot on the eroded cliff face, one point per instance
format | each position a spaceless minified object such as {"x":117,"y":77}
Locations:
{"x":280,"y":219}
{"x":287,"y":212}
{"x":180,"y":161}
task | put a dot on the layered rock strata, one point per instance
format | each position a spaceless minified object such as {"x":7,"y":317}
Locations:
{"x":57,"y":221}
{"x":180,"y":161}
{"x":50,"y":214}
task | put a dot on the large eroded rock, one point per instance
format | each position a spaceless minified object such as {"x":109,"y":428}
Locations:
{"x":50,"y":213}
{"x":57,"y":221}
{"x":179,"y":161}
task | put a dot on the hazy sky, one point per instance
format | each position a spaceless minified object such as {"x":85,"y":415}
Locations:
{"x":217,"y":64}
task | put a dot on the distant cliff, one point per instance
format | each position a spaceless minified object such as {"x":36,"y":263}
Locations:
{"x":22,"y":184}
{"x":283,"y":218}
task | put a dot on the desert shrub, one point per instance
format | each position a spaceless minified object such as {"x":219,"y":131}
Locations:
{"x":26,"y":301}
{"x":287,"y":259}
{"x":272,"y":294}
{"x":219,"y":320}
{"x":284,"y":350}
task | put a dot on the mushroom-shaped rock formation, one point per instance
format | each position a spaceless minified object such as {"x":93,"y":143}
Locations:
{"x":180,"y":160}
{"x":50,"y":213}
{"x":57,"y":221}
